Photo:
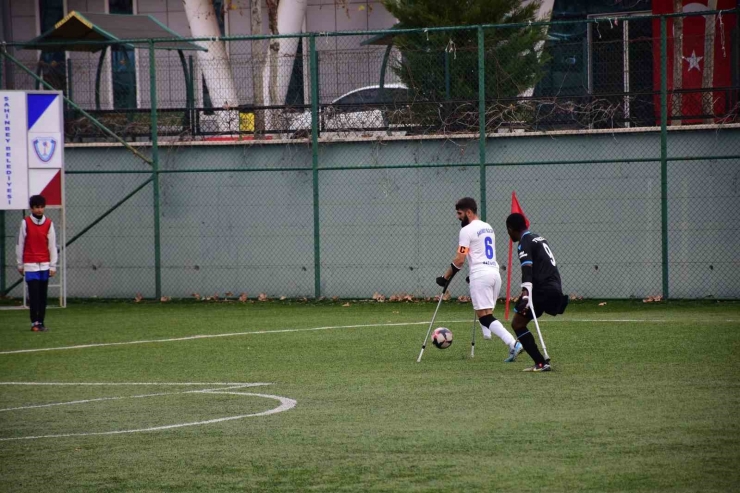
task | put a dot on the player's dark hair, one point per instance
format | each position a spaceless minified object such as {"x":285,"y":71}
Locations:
{"x":466,"y":203}
{"x":37,"y":201}
{"x":516,"y":222}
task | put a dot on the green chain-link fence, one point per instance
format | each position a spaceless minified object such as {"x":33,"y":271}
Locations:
{"x":347,"y":187}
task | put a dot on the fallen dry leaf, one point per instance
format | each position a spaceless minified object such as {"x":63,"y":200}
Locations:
{"x":463,"y":299}
{"x":243,"y":297}
{"x":602,"y":303}
{"x":262,"y":297}
{"x":378,"y":297}
{"x":653,"y":299}
{"x":165,"y":299}
{"x":228,"y":294}
{"x":196,"y":296}
{"x":137,"y":298}
{"x":282,"y":298}
{"x":346,"y":304}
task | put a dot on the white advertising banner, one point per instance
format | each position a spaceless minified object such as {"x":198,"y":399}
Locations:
{"x":14,"y":151}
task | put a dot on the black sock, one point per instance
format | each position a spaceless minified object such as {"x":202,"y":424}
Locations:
{"x":33,"y":300}
{"x":487,"y":320}
{"x":529,"y":345}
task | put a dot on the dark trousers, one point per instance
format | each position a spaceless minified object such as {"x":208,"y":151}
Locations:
{"x":37,"y":299}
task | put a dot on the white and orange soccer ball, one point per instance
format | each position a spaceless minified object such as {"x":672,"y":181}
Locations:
{"x":442,"y":337}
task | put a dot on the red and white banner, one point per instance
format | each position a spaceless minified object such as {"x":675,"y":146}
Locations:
{"x":700,"y":50}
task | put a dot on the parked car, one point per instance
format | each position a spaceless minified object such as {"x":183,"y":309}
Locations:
{"x":369,"y":111}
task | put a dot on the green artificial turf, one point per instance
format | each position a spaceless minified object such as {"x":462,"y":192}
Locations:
{"x":643,"y":397}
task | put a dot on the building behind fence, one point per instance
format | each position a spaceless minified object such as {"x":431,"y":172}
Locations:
{"x":632,"y":177}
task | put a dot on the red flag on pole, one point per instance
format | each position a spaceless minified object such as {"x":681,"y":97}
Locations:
{"x":515,"y":207}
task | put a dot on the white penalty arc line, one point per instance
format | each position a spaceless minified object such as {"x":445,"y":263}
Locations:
{"x":285,"y":405}
{"x":283,"y":331}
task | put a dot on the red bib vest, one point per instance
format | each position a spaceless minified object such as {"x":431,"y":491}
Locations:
{"x":36,"y":247}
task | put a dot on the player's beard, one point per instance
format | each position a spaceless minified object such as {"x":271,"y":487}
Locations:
{"x":464,"y":221}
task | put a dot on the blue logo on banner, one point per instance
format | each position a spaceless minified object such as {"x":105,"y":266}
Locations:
{"x":44,"y":147}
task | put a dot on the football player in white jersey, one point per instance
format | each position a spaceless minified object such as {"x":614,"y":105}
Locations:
{"x":478,"y":244}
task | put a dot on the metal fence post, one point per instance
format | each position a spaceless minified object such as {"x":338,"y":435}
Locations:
{"x":313,"y":68}
{"x":155,"y":170}
{"x":482,"y":121}
{"x":664,"y":150}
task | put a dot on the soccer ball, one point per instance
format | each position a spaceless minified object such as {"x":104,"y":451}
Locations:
{"x":442,"y":337}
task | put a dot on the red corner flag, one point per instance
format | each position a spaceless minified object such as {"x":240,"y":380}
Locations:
{"x":515,"y":207}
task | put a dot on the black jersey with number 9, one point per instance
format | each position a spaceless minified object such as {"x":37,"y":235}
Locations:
{"x":533,"y":250}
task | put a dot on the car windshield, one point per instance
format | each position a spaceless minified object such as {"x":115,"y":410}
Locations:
{"x":371,"y":98}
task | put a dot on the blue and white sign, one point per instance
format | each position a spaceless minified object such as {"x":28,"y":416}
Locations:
{"x":32,"y":147}
{"x":14,"y":151}
{"x":44,"y":130}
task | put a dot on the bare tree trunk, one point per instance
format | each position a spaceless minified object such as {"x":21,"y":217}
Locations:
{"x":272,"y":12}
{"x":258,"y":63}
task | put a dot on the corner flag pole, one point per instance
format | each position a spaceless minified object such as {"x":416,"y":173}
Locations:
{"x":515,"y":207}
{"x":508,"y":281}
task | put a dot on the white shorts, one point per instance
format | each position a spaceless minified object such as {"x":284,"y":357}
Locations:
{"x":484,"y":289}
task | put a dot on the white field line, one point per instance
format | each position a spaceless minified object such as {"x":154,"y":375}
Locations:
{"x":283,"y":331}
{"x":285,"y":404}
{"x":100,"y":399}
{"x":129,"y":384}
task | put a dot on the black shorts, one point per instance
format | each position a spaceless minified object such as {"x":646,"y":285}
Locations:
{"x":552,"y":303}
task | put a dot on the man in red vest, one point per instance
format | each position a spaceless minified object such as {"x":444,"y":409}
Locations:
{"x":36,"y":255}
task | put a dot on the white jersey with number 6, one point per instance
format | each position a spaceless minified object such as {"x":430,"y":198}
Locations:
{"x":479,"y":242}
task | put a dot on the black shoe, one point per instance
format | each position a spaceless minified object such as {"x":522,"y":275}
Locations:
{"x":539,"y":367}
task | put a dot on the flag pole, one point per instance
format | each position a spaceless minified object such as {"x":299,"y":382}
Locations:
{"x":508,"y":282}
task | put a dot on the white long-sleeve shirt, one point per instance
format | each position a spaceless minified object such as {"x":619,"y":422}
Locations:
{"x":37,"y":266}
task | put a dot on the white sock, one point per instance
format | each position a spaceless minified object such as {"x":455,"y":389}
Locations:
{"x":503,"y":334}
{"x":486,"y":332}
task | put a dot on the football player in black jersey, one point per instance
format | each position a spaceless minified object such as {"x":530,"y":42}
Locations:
{"x":541,"y":278}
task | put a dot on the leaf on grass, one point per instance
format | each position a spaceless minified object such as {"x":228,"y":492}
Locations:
{"x":463,"y":299}
{"x":165,"y":299}
{"x":262,"y":297}
{"x":196,"y":296}
{"x":243,"y":297}
{"x":378,"y":297}
{"x":602,"y":303}
{"x":347,"y":304}
{"x":137,"y":298}
{"x":653,"y":299}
